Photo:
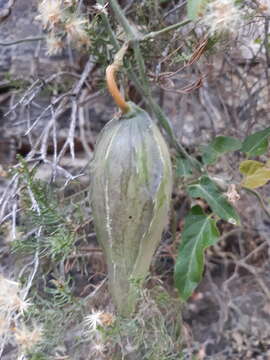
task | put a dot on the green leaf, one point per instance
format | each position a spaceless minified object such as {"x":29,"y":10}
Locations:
{"x":249,"y":167}
{"x":199,"y":232}
{"x":223,"y":144}
{"x":257,"y":179}
{"x":219,"y":146}
{"x":209,"y":155}
{"x":257,"y":143}
{"x":183,"y":168}
{"x":208,"y":190}
{"x":195,"y":8}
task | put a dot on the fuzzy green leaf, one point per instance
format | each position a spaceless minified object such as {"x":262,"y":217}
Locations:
{"x":219,"y":146}
{"x":257,"y":143}
{"x":208,"y":190}
{"x":199,"y":232}
{"x":195,"y":8}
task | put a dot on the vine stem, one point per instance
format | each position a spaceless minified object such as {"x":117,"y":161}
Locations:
{"x":153,"y":34}
{"x":134,"y":38}
{"x":142,"y":85}
{"x":111,"y":82}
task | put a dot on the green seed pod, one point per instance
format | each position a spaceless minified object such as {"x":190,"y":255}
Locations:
{"x":131,"y":192}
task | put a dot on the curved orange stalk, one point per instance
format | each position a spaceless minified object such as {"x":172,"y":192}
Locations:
{"x":113,"y":88}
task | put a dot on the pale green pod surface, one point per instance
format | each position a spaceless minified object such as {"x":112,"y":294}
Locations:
{"x":130,"y":195}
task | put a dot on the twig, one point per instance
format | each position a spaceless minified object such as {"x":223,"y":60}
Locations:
{"x":20,"y":41}
{"x":153,"y":34}
{"x":33,"y":91}
{"x":8,"y":193}
{"x":70,"y":139}
{"x":54,"y":143}
{"x":96,"y":289}
{"x":177,"y":7}
{"x":14,"y":213}
{"x":59,"y":168}
{"x":47,"y":108}
{"x":258,"y":196}
{"x":44,"y":140}
{"x":81,"y":116}
{"x":28,"y":91}
{"x":87,"y":69}
{"x":71,"y":133}
{"x":259,"y":280}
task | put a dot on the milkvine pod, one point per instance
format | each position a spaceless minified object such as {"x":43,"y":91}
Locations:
{"x":131,"y":184}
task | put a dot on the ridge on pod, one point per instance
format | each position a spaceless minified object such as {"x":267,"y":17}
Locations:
{"x":131,"y":185}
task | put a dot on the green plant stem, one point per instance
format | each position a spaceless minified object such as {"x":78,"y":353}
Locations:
{"x":130,"y":32}
{"x":142,"y":85}
{"x":153,"y":34}
{"x":146,"y":37}
{"x":134,"y":38}
{"x":111,"y":34}
{"x":131,"y":74}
